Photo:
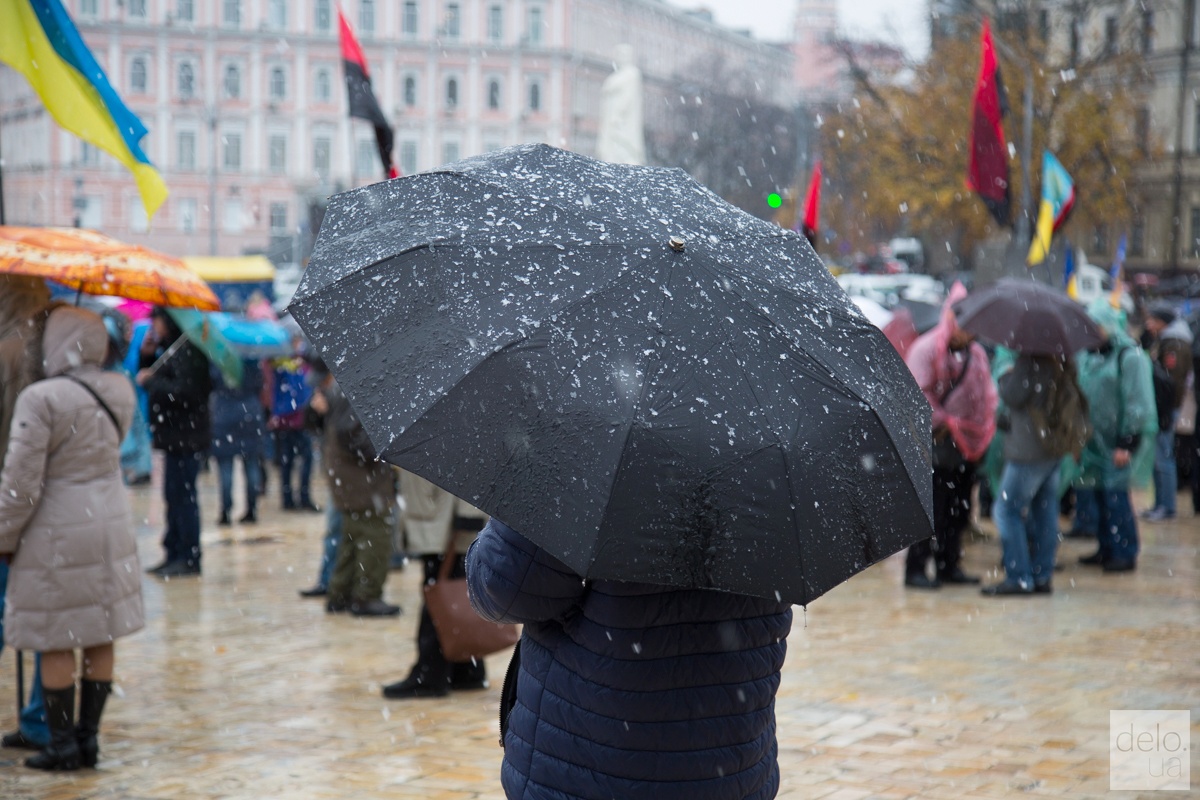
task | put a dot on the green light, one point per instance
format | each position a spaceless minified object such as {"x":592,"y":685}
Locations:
{"x":774,"y":200}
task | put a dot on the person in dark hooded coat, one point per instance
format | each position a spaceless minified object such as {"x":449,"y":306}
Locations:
{"x":628,"y":690}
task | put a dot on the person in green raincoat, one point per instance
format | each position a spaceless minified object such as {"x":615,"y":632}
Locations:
{"x":1116,"y":378}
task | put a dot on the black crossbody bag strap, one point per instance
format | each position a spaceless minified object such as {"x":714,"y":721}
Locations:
{"x":104,"y":405}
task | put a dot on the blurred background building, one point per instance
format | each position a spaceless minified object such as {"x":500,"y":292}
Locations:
{"x":246,"y":105}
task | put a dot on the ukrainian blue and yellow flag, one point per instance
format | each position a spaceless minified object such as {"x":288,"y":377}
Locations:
{"x":39,"y":40}
{"x":1069,"y":282}
{"x":1058,"y":198}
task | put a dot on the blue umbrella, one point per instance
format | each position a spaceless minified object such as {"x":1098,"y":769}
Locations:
{"x":252,"y":338}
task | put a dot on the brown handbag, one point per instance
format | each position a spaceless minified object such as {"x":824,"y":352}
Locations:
{"x":463,"y":634}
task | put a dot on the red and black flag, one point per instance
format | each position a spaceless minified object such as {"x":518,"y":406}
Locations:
{"x":987,"y":166}
{"x":362,"y":98}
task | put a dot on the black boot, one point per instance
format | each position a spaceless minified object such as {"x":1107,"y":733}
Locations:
{"x":91,"y":708}
{"x":62,"y":753}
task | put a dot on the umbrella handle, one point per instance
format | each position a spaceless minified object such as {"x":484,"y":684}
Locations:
{"x":170,"y":351}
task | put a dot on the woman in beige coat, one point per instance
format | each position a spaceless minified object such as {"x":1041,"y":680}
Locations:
{"x":65,"y":523}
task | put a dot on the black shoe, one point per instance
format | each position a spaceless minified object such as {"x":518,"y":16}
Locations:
{"x":179,"y":569}
{"x":316,"y":591}
{"x":337,"y":605}
{"x":288,"y":505}
{"x":91,"y":707}
{"x":373,"y":608}
{"x":411,"y":688}
{"x":472,"y":685}
{"x":249,"y":518}
{"x":223,"y":520}
{"x":308,"y":505}
{"x":19,"y":741}
{"x":1005,"y":589}
{"x":1120,"y":565}
{"x":920,"y":580}
{"x":1043,"y":588}
{"x":959,"y":577}
{"x":158,"y":567}
{"x":1076,"y":533}
{"x":1096,"y":559}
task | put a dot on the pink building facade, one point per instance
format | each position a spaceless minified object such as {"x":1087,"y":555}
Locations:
{"x":246,"y":106}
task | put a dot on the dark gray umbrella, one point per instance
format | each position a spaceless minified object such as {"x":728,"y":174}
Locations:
{"x":642,"y":379}
{"x":1028,"y":317}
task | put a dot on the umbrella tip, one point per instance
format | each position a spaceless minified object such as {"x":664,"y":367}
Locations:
{"x":677,"y":244}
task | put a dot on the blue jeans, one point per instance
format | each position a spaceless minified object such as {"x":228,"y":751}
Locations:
{"x":293,"y":447}
{"x":1027,"y":515}
{"x":1166,"y":475}
{"x":1118,"y":533}
{"x":333,"y":538}
{"x":253,"y":472}
{"x":1087,"y":512}
{"x":33,"y":716}
{"x":182,"y":538}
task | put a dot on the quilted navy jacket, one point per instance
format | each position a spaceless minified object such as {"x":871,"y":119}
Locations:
{"x":627,"y":690}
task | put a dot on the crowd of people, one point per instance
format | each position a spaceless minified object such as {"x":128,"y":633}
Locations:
{"x":1041,"y":434}
{"x":77,"y":387}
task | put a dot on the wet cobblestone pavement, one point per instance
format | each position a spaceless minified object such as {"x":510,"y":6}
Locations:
{"x":240,"y":689}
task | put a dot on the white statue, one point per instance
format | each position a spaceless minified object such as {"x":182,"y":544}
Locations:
{"x":622,"y":139}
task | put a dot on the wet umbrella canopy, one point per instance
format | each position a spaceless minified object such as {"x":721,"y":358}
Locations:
{"x":642,"y":379}
{"x":1028,"y":317}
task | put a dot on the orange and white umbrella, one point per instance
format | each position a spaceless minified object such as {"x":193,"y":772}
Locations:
{"x":97,"y":264}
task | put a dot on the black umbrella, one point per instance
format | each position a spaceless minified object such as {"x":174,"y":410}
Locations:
{"x":925,"y":316}
{"x":647,"y":382}
{"x":1028,"y":317}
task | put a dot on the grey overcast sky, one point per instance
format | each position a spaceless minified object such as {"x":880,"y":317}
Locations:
{"x":901,"y":22}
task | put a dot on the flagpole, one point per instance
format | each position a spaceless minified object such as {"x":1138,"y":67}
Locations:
{"x":2,"y":218}
{"x":1022,"y":233}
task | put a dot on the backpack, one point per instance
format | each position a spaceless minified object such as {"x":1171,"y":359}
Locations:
{"x":1066,"y":419}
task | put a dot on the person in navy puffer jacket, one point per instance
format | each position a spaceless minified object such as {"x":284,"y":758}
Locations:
{"x":629,"y":690}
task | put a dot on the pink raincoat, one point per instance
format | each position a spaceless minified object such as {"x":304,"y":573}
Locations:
{"x":969,"y":411}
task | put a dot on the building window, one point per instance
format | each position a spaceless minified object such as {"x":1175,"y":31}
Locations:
{"x":451,"y":94}
{"x":535,"y":25}
{"x":186,"y":82}
{"x":185,"y":145}
{"x":278,"y":87}
{"x":1137,"y":237}
{"x":323,"y":86}
{"x":137,"y":75}
{"x":139,"y":220}
{"x":1073,"y":58}
{"x":1110,"y":36}
{"x":449,"y":152}
{"x":408,"y":157}
{"x":185,"y":11}
{"x":366,"y":157}
{"x":324,"y":18}
{"x":535,"y":95}
{"x":277,"y":154}
{"x":137,"y":9}
{"x":321,"y":151}
{"x":495,"y":24}
{"x":410,"y":91}
{"x":1147,"y":32}
{"x":408,"y":20}
{"x":88,"y":8}
{"x":277,"y":14}
{"x":1195,"y":248}
{"x":453,"y":21}
{"x":233,"y":82}
{"x":492,"y":145}
{"x":1141,"y":130}
{"x":494,"y":94}
{"x":187,"y":207}
{"x":233,"y":151}
{"x":231,"y":13}
{"x":89,"y":154}
{"x":1043,"y":24}
{"x":1100,"y":239}
{"x":232,"y":218}
{"x":366,"y":17}
{"x":278,"y":218}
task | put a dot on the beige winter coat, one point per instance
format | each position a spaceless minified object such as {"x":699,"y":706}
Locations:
{"x":75,"y":580}
{"x":429,"y":512}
